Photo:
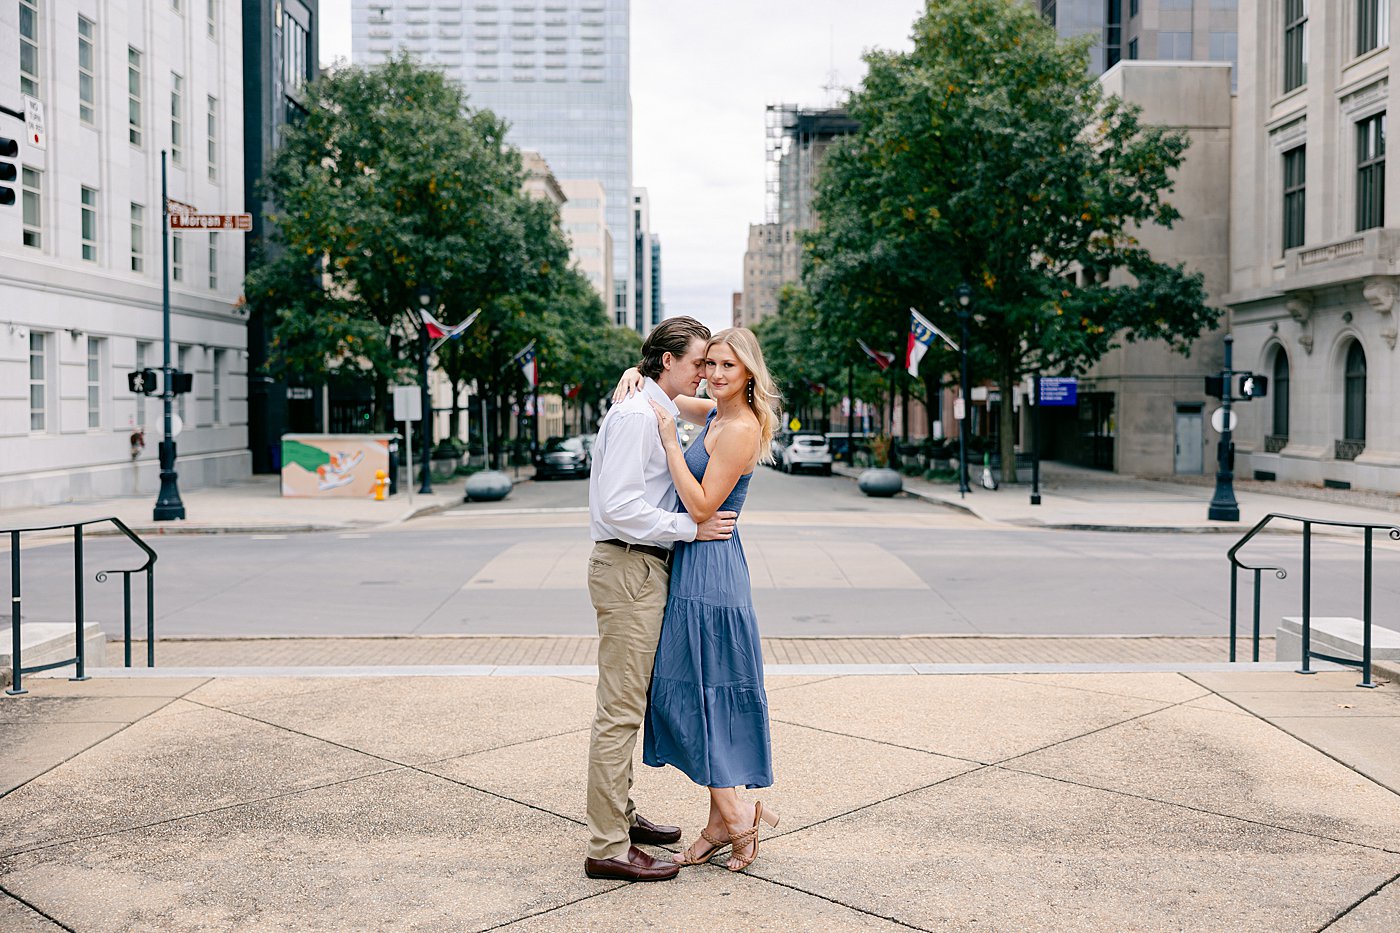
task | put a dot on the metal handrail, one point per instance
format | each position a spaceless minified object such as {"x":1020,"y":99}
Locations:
{"x":79,"y":659}
{"x":1236,"y":565}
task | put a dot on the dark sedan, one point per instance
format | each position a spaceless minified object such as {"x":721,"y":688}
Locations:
{"x":563,"y":456}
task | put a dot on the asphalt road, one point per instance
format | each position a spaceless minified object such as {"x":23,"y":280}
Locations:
{"x":825,"y":561}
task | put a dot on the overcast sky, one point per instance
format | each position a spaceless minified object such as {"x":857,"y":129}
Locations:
{"x":702,"y":74}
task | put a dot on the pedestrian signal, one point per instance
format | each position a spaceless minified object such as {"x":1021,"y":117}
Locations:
{"x":1252,"y":386}
{"x":1215,"y":386}
{"x":9,"y":149}
{"x":142,"y":382}
{"x":180,"y":383}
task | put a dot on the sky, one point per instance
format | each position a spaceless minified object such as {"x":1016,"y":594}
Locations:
{"x":702,"y":74}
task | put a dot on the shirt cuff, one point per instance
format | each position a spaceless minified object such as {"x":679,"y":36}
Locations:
{"x":686,"y":527}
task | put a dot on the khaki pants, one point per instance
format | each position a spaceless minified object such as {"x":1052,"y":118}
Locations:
{"x":629,"y":593}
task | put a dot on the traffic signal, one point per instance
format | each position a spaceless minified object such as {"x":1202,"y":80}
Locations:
{"x":1252,"y":386}
{"x":9,"y":149}
{"x":180,"y":383}
{"x":1215,"y":386}
{"x":142,"y":382}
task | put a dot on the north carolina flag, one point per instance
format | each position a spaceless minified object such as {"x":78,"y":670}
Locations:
{"x":529,"y":365}
{"x":921,"y":334}
{"x":881,"y":358}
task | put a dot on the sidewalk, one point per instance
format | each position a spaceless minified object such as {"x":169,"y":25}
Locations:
{"x":1241,"y":801}
{"x":1081,"y":499}
{"x":255,"y":505}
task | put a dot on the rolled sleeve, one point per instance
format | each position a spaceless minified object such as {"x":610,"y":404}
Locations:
{"x":622,"y":486}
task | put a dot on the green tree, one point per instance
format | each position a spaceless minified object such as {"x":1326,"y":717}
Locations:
{"x":389,"y":184}
{"x":989,"y":155}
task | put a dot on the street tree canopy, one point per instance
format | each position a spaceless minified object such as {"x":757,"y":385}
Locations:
{"x":990,"y":155}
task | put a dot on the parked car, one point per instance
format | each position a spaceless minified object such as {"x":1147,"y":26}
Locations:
{"x":563,"y":456}
{"x":807,"y":452}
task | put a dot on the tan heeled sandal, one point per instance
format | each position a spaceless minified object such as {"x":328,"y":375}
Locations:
{"x":739,"y":840}
{"x":700,"y":859}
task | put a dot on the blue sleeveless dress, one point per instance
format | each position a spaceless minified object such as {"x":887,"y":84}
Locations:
{"x":707,"y":712}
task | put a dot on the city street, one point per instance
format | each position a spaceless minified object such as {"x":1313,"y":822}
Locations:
{"x":824,"y":559}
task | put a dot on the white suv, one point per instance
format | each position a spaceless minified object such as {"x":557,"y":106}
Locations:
{"x":807,"y":452}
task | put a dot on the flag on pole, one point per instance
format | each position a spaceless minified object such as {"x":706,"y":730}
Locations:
{"x":436,"y":331}
{"x":529,"y":366}
{"x":881,"y":358}
{"x":921,"y":333}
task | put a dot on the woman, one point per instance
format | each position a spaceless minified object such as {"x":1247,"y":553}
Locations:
{"x":708,"y":713}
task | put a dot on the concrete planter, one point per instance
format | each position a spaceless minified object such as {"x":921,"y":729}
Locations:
{"x":487,"y":486}
{"x":880,"y":482}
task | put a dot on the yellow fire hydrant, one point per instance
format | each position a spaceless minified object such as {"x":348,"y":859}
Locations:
{"x":381,"y":485}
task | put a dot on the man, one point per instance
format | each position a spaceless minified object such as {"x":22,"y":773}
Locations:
{"x":634,"y":522}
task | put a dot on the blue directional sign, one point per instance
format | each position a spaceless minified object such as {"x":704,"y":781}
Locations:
{"x":1059,"y":390}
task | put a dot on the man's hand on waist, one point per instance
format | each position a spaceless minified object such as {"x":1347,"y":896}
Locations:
{"x":718,"y":527}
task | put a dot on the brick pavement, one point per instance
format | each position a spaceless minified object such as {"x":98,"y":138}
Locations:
{"x":352,"y":651}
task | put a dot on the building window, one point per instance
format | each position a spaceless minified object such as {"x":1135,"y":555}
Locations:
{"x":216,"y":383}
{"x":1224,"y":46}
{"x":213,"y":126}
{"x":1280,"y":389}
{"x":29,"y":47}
{"x":133,"y":96}
{"x":38,"y":381}
{"x":138,"y":238}
{"x":94,"y":382}
{"x":1132,"y":8}
{"x":32,"y":183}
{"x":177,"y":118}
{"x":1132,"y":50}
{"x":1295,"y":44}
{"x":213,"y":17}
{"x":1112,"y":33}
{"x":89,"y":226}
{"x":1354,"y":402}
{"x":1370,"y":172}
{"x":1174,"y":46}
{"x":177,"y":257}
{"x":143,"y":358}
{"x":213,"y":261}
{"x":87,"y":79}
{"x":295,"y":43}
{"x":1047,"y":9}
{"x":1295,"y":177}
{"x":1372,"y":25}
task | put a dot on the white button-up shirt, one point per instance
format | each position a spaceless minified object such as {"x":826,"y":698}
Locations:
{"x":630,"y":493}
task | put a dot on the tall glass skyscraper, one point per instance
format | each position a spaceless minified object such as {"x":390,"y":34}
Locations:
{"x":557,"y":70}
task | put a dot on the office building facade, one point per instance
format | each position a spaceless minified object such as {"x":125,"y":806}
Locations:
{"x":1148,"y":30}
{"x":80,"y":250}
{"x":557,"y":70}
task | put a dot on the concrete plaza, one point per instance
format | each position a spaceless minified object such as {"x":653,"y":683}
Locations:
{"x":1244,"y":800}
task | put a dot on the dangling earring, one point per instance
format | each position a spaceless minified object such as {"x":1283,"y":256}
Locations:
{"x":750,"y":391}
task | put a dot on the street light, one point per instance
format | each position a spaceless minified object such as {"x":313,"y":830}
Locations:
{"x":1223,"y":507}
{"x":425,"y":298}
{"x":964,"y":315}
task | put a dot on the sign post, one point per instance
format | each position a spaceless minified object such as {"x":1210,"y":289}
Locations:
{"x":408,"y":408}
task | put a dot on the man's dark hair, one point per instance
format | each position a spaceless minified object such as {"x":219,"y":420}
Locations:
{"x":674,"y":336}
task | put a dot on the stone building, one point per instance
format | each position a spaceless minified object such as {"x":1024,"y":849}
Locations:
{"x":763,"y":262}
{"x":80,"y":250}
{"x":1314,"y":262}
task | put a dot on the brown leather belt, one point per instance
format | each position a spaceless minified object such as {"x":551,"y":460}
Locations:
{"x":661,"y":553}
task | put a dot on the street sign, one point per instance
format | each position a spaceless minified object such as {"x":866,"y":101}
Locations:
{"x":959,"y":409}
{"x":299,"y":394}
{"x":34,"y":132}
{"x":1059,"y":390}
{"x":408,"y":403}
{"x":1252,"y":386}
{"x":1217,"y":420}
{"x":191,"y":221}
{"x":794,"y":425}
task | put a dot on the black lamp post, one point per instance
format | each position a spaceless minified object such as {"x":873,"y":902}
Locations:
{"x":168,"y":503}
{"x":425,"y":298}
{"x":1223,"y":507}
{"x":964,"y":316}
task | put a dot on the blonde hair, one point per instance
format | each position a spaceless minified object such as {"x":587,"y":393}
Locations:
{"x":761,"y":392}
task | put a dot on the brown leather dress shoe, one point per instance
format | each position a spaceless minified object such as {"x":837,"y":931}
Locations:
{"x":636,"y":865}
{"x":648,"y":833}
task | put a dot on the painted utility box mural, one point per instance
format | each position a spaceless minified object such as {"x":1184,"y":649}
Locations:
{"x":317,"y":465}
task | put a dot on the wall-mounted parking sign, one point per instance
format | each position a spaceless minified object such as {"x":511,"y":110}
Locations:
{"x":1059,"y":390}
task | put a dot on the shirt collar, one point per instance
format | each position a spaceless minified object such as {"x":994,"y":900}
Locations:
{"x":655,"y":392}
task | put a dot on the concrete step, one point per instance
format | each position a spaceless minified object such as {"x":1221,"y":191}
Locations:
{"x":46,"y":642}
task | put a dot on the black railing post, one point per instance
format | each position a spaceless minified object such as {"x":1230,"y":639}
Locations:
{"x":150,"y":617}
{"x":79,"y":673}
{"x":1307,"y":600}
{"x":1256,"y":615}
{"x":126,"y":615}
{"x":1366,"y":617}
{"x":16,"y":664}
{"x":1234,"y":588}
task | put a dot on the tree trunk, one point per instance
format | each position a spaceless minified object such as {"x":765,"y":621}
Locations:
{"x":1008,"y":419}
{"x":931,"y":399}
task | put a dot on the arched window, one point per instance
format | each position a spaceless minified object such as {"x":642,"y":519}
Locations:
{"x":1278,"y":437}
{"x":1354,"y":403}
